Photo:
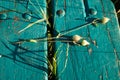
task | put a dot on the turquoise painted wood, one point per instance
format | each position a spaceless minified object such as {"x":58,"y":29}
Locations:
{"x":99,"y":61}
{"x":27,"y":60}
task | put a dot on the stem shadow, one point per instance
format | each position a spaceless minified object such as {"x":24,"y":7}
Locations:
{"x":26,"y":57}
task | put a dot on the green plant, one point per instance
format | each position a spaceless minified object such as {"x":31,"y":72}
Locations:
{"x":45,"y":18}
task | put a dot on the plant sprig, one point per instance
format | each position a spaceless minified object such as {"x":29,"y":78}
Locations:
{"x":104,"y":20}
{"x":45,"y":18}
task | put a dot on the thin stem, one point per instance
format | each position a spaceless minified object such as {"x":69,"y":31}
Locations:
{"x":65,"y":64}
{"x":38,"y":21}
{"x":51,"y":39}
{"x":38,"y":3}
{"x":77,"y":28}
{"x":34,"y":7}
{"x":61,"y":41}
{"x":42,"y":11}
{"x":54,"y":60}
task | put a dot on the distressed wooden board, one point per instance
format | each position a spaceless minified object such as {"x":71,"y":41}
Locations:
{"x":26,"y":61}
{"x":103,"y":61}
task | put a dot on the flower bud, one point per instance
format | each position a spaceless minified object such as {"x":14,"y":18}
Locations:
{"x":76,"y":38}
{"x":104,"y":20}
{"x":85,"y":43}
{"x":34,"y":41}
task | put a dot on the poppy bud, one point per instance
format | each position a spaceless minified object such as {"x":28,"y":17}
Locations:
{"x":85,"y":43}
{"x":76,"y":38}
{"x":34,"y":41}
{"x":80,"y":41}
{"x":104,"y":20}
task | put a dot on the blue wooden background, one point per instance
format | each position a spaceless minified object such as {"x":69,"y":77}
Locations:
{"x":27,"y":61}
{"x":96,"y":62}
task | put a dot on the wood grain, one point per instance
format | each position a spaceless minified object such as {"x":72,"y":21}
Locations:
{"x":99,"y":61}
{"x":25,"y":61}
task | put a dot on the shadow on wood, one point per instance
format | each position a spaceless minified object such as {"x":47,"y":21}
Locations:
{"x":18,"y":56}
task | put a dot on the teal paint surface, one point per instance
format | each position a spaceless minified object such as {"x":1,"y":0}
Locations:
{"x":25,"y":61}
{"x":99,"y":62}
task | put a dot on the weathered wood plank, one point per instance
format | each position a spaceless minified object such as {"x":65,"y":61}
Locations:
{"x":27,"y":60}
{"x":98,"y":62}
